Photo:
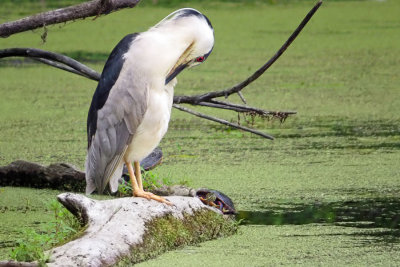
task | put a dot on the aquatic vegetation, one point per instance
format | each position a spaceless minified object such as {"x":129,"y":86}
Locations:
{"x":33,"y":244}
{"x":322,"y":189}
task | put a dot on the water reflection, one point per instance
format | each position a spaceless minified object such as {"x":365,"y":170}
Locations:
{"x":366,"y":213}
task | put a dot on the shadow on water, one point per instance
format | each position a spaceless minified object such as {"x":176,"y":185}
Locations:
{"x":366,"y":213}
{"x":363,"y":213}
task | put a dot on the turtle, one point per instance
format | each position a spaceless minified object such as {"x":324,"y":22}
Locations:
{"x":216,"y":199}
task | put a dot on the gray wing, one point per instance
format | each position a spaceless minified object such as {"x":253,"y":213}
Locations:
{"x":111,"y":126}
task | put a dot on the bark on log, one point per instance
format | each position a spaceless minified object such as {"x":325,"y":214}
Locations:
{"x":135,"y":229}
{"x":61,"y":176}
{"x":87,"y":9}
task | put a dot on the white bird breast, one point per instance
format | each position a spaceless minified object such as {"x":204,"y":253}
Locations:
{"x":154,"y":124}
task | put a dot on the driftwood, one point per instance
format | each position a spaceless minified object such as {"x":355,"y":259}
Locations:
{"x":207,"y":99}
{"x":61,"y":176}
{"x":135,"y":229}
{"x":130,"y":230}
{"x":84,"y":10}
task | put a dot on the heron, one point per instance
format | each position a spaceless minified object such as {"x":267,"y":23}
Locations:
{"x":131,"y":107}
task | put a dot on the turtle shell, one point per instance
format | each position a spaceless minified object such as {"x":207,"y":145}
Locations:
{"x":220,"y":200}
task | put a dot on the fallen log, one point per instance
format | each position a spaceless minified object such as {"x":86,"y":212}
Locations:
{"x":60,"y":176}
{"x":130,"y":230}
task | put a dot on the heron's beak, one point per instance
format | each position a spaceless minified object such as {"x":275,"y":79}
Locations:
{"x":181,"y":64}
{"x":174,"y":72}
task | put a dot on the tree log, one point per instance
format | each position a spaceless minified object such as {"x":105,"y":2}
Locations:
{"x":61,"y":176}
{"x":134,"y":229}
{"x":87,"y":9}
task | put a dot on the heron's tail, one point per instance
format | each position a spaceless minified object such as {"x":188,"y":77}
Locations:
{"x":99,"y":172}
{"x":90,"y":184}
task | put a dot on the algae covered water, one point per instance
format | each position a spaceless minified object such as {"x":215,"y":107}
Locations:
{"x":324,"y":193}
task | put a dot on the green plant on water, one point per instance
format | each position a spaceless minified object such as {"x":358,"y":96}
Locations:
{"x":30,"y":247}
{"x":150,"y":181}
{"x":33,"y":244}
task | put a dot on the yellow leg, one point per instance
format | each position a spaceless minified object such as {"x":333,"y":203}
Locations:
{"x":139,"y":192}
{"x":138,"y":174}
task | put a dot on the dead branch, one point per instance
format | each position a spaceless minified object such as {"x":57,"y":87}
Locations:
{"x":211,"y":118}
{"x":52,"y":59}
{"x":238,"y":87}
{"x":61,"y":176}
{"x":80,"y":11}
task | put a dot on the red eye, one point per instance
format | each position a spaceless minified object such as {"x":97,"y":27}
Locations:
{"x":200,"y":59}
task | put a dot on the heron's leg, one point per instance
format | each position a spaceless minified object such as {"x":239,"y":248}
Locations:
{"x":138,"y":192}
{"x":138,"y":174}
{"x":132,"y":177}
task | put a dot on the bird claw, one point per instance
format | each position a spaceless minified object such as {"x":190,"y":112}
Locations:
{"x":148,"y":195}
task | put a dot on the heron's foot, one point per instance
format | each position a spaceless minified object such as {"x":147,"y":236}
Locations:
{"x":148,"y":195}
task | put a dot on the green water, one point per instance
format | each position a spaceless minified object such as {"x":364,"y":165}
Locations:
{"x":324,"y":193}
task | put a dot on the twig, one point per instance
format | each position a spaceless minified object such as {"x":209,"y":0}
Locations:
{"x":60,"y":66}
{"x":87,"y":9}
{"x":261,"y":112}
{"x":242,"y":97}
{"x":204,"y":116}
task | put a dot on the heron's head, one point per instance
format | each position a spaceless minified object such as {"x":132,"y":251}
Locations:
{"x":192,"y":36}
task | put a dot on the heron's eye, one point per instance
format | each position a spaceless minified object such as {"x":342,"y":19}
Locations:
{"x":200,"y":59}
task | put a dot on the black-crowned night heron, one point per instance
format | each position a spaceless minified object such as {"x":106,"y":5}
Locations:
{"x":131,"y":106}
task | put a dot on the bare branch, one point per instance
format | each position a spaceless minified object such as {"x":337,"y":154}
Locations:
{"x":278,"y":114}
{"x":255,"y":75}
{"x":87,"y":9}
{"x":60,"y":66}
{"x":204,"y":116}
{"x":79,"y":68}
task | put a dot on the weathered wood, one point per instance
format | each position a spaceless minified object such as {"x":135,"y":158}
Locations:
{"x":84,"y":10}
{"x":134,"y":229}
{"x":61,"y":176}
